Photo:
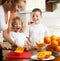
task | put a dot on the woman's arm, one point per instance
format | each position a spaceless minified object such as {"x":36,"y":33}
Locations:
{"x":3,"y":46}
{"x":7,"y":38}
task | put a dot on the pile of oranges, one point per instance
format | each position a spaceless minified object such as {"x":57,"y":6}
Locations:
{"x":53,"y":43}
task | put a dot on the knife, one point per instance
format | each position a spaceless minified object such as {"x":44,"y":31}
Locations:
{"x":8,"y":49}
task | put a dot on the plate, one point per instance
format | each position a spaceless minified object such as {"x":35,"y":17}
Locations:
{"x":34,"y":57}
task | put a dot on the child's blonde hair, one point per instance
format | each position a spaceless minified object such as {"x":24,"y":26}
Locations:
{"x":13,"y":21}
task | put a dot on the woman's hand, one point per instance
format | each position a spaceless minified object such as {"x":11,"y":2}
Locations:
{"x":3,"y":46}
{"x":14,"y":47}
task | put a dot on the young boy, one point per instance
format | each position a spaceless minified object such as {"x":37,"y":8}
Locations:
{"x":37,"y":31}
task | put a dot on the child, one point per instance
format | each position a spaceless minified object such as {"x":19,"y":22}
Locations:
{"x":37,"y":31}
{"x":17,"y":34}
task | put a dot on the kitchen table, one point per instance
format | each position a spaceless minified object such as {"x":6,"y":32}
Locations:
{"x":57,"y":58}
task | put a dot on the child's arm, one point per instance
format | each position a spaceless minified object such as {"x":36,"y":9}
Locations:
{"x":26,"y":46}
{"x":31,"y":44}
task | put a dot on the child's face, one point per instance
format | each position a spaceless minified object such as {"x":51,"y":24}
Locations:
{"x":36,"y":17}
{"x":17,"y":26}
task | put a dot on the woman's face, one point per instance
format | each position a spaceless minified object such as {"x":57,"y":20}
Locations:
{"x":15,"y":7}
{"x":17,"y":25}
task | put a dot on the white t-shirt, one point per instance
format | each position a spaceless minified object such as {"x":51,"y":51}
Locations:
{"x":37,"y":32}
{"x":18,"y":38}
{"x":3,"y":25}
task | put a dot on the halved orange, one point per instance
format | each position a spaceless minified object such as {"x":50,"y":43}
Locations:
{"x":19,"y":49}
{"x":45,"y":54}
{"x":41,"y":55}
{"x":48,"y":54}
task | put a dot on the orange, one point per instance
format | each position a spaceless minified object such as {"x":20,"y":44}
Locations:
{"x":54,"y":43}
{"x":58,"y":48}
{"x":19,"y":50}
{"x":58,"y":40}
{"x":53,"y":37}
{"x":47,"y":39}
{"x":49,"y":48}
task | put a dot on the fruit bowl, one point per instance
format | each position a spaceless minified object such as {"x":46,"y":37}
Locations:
{"x":52,"y":44}
{"x":55,"y":53}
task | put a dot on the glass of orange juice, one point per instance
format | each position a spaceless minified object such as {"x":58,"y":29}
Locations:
{"x":39,"y":46}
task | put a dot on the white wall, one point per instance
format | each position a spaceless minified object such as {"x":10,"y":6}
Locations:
{"x":52,"y":20}
{"x":31,"y":4}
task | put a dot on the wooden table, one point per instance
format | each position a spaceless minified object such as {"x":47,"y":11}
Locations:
{"x":57,"y":58}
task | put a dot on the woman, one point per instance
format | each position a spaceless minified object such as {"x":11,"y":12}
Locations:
{"x":5,"y":9}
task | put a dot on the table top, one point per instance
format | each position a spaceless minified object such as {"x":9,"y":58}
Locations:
{"x":57,"y":58}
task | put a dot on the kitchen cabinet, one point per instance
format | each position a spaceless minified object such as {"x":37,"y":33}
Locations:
{"x":51,"y":5}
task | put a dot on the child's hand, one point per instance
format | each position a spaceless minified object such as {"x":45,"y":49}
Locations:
{"x":3,"y":46}
{"x":34,"y":47}
{"x":26,"y":46}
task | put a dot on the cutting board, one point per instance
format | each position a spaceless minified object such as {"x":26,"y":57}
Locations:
{"x":24,"y":55}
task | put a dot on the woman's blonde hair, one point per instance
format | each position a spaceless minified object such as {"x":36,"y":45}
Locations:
{"x":19,"y":0}
{"x":16,"y":1}
{"x":0,"y":2}
{"x":13,"y":21}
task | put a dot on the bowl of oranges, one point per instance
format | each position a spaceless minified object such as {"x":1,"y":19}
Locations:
{"x":52,"y":43}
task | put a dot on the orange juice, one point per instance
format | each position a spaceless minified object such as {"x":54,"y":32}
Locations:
{"x":39,"y":46}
